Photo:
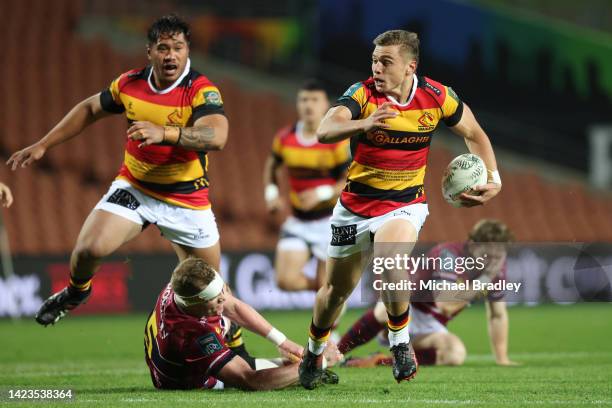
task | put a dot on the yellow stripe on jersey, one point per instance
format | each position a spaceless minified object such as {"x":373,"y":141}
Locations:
{"x":114,"y":89}
{"x":451,"y":102}
{"x":297,"y":203}
{"x":417,"y":120}
{"x":342,"y":152}
{"x":310,"y":158}
{"x":386,"y":179}
{"x":359,"y":95}
{"x":163,"y":173}
{"x":152,"y":112}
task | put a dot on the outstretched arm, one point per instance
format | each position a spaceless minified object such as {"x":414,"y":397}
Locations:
{"x":497,"y":317}
{"x":478,"y":143}
{"x":207,"y":133}
{"x":238,"y":374}
{"x":82,"y":115}
{"x":246,"y":316}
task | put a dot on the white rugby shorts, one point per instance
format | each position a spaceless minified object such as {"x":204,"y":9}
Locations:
{"x":184,"y":226}
{"x":352,"y":233}
{"x":310,"y":235}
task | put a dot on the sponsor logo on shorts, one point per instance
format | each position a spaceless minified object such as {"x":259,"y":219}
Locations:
{"x":402,"y":212}
{"x":124,"y":198}
{"x":344,"y":235}
{"x":209,"y":344}
{"x":201,"y":234}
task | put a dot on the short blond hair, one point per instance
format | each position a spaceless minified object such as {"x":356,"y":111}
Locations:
{"x":489,"y":230}
{"x":407,"y":40}
{"x":191,"y":276}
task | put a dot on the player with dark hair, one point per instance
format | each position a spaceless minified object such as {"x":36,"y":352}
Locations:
{"x":431,"y":312}
{"x":186,"y":337}
{"x":316,"y":174}
{"x":6,"y":197}
{"x":174,"y":117}
{"x":390,"y":119}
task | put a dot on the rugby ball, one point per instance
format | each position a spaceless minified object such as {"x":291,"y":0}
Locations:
{"x":461,"y":175}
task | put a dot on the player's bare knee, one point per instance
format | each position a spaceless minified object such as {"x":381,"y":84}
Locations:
{"x":453,"y":358}
{"x":285,"y":282}
{"x":454,"y":352}
{"x":91,"y":251}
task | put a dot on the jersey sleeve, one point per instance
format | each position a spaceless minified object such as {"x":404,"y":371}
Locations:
{"x":277,"y":148}
{"x":206,"y":352}
{"x":452,"y":108}
{"x":354,"y":99}
{"x":110,"y":98}
{"x":206,"y":101}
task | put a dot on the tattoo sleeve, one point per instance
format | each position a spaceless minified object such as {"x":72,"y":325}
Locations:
{"x":197,"y":138}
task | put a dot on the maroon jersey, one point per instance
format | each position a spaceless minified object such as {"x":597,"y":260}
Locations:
{"x":451,"y":250}
{"x":183,"y":351}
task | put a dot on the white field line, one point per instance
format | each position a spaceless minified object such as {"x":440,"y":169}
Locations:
{"x":296,"y":399}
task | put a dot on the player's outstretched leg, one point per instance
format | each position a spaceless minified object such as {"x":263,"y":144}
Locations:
{"x":342,"y":277}
{"x":102,"y":233}
{"x":394,"y":237}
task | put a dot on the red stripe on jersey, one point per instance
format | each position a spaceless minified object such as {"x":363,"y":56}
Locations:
{"x":140,"y":89}
{"x":126,"y":77}
{"x":423,"y":100}
{"x":369,"y":207}
{"x":299,"y":185}
{"x":390,"y":159}
{"x":157,"y":154}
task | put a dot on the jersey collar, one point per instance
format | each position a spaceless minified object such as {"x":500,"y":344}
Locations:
{"x":412,"y":92}
{"x":299,"y":135}
{"x":174,"y":85}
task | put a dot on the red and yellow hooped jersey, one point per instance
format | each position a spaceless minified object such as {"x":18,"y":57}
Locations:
{"x":310,"y":165}
{"x":389,"y":165}
{"x":168,"y":173}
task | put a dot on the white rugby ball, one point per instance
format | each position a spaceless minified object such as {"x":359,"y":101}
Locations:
{"x":461,"y":175}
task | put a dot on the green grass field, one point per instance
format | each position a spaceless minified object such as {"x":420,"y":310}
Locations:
{"x":566,"y":353}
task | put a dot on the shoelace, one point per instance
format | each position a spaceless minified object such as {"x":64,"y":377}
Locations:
{"x":402,"y":352}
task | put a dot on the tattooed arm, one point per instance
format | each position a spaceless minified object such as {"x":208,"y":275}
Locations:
{"x":207,"y":133}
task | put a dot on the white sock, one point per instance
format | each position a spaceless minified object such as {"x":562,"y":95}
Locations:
{"x":397,"y":337}
{"x":316,"y":347}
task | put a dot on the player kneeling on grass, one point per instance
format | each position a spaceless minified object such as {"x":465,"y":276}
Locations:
{"x":191,"y":340}
{"x":432,"y":342}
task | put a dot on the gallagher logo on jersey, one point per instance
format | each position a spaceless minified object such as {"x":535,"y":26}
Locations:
{"x":381,"y":138}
